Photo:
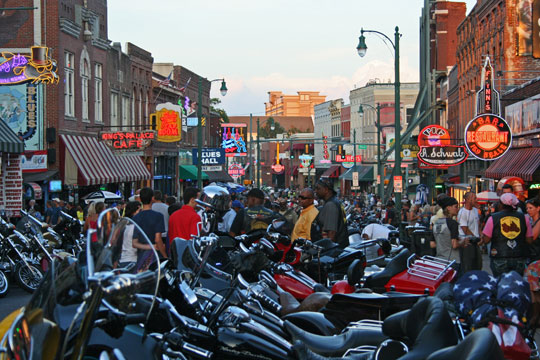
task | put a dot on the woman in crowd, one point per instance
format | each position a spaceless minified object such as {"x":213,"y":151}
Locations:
{"x":446,"y":232}
{"x":129,"y":253}
{"x":533,"y":209}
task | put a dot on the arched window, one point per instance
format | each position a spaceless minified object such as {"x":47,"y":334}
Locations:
{"x":85,"y":75}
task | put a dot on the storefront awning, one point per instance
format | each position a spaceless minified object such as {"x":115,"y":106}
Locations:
{"x":40,"y":176}
{"x":294,"y":171}
{"x":216,"y":176}
{"x":332,"y":172}
{"x":189,"y":172}
{"x":523,"y":163}
{"x":9,"y":141}
{"x":98,"y":165}
{"x":365,"y":173}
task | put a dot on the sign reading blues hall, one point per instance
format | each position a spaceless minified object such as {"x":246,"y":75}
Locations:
{"x":209,"y":156}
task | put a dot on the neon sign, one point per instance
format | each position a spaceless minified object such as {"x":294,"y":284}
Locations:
{"x":487,"y":100}
{"x":233,"y":142}
{"x":442,"y":156}
{"x":19,"y":69}
{"x":31,"y":113}
{"x":236,"y":170}
{"x":488,"y":137}
{"x":168,"y":124}
{"x":348,"y":158}
{"x":128,"y":140}
{"x":433,"y":135}
{"x":325,"y":147}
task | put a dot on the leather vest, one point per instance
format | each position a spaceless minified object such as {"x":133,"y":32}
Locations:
{"x":508,"y":238}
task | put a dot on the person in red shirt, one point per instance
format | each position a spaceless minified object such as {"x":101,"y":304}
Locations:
{"x":183,"y":223}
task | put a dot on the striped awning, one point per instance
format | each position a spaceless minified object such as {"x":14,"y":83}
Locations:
{"x":332,"y":172}
{"x":9,"y":141}
{"x":98,"y":165}
{"x":523,"y":163}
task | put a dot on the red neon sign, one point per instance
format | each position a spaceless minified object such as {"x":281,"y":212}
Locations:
{"x":128,"y":140}
{"x":488,"y":137}
{"x":433,"y":135}
{"x":349,"y":158}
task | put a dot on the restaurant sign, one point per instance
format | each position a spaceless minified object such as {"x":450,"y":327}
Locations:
{"x":35,"y":69}
{"x":278,"y":168}
{"x":488,"y":137}
{"x":236,"y":170}
{"x":125,"y":141}
{"x":442,"y":156}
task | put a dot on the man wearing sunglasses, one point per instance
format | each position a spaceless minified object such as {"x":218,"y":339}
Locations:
{"x":302,"y":228}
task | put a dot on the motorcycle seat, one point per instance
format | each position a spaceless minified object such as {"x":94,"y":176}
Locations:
{"x":426,"y":328}
{"x":480,"y":344}
{"x":335,"y":345}
{"x":398,"y":264}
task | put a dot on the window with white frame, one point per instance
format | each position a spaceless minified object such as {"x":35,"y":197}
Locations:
{"x":133,"y":121}
{"x":69,"y":91}
{"x":125,"y":110}
{"x":85,"y":75}
{"x":114,"y":110}
{"x":98,"y":93}
{"x":140,"y":108}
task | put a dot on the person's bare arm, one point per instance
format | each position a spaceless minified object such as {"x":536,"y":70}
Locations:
{"x":160,"y":246}
{"x":485,"y":239}
{"x":138,"y":245}
{"x":466,"y":230}
{"x":331,"y":235}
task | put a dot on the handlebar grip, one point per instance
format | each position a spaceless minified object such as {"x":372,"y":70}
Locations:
{"x":268,"y":302}
{"x":196,"y":351}
{"x":134,"y":318}
{"x":130,"y":282}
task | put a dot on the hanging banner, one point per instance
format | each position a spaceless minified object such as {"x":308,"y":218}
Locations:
{"x":488,"y":137}
{"x":233,"y":139}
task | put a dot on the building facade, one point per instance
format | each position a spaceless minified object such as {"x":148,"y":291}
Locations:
{"x":302,"y":104}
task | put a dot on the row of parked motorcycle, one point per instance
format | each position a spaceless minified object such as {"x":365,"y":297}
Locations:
{"x":28,"y":248}
{"x":256,"y":296}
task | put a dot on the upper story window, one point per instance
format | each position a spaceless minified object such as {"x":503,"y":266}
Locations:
{"x":85,"y":76}
{"x":69,"y":90}
{"x":98,"y":93}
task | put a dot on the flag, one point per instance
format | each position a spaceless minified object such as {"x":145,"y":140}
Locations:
{"x":166,"y":81}
{"x":183,"y":88}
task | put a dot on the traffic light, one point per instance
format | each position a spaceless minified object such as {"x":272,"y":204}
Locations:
{"x":341,"y":152}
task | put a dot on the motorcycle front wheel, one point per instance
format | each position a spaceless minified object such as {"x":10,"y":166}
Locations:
{"x":4,"y":284}
{"x":28,"y":279}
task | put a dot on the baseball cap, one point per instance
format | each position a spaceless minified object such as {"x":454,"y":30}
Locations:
{"x":237,"y":204}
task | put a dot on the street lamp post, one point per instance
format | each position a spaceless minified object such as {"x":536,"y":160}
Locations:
{"x":362,"y":49}
{"x":223,"y":91}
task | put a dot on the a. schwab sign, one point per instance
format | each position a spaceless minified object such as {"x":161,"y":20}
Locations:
{"x":210,"y":156}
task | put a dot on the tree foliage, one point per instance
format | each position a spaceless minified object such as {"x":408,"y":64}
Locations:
{"x":222,"y":113}
{"x":266,"y":131}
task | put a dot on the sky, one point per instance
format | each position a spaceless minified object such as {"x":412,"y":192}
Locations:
{"x":280,"y":45}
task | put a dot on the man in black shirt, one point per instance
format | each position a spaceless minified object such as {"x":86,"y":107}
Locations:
{"x":254,"y":217}
{"x":331,"y":218}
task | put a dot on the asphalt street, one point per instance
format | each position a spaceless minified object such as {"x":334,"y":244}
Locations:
{"x":16,"y":298}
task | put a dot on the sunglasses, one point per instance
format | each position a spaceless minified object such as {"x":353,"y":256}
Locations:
{"x":304,"y":198}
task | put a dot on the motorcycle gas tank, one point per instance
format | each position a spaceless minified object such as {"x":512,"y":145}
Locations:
{"x":313,"y":322}
{"x":251,"y":337}
{"x":296,"y":282}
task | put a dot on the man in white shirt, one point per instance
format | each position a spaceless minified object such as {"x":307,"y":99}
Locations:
{"x":228,"y":218}
{"x":375,"y":231}
{"x":469,"y":224}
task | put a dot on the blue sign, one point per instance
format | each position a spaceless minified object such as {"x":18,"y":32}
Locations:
{"x":210,"y":156}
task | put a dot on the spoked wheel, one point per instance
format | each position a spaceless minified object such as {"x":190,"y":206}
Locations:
{"x":4,"y":284}
{"x":28,"y":279}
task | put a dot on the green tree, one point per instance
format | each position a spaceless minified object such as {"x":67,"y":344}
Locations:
{"x":222,"y":113}
{"x":266,"y":131}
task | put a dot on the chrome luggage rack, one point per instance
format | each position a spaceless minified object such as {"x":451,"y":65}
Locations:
{"x":366,"y":324}
{"x":428,"y":267}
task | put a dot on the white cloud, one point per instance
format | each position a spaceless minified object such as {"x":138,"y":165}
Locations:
{"x":248,"y":95}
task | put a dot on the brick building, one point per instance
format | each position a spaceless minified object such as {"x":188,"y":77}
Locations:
{"x":491,"y":29}
{"x":292,"y":105}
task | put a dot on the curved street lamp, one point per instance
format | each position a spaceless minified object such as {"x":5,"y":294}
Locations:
{"x":223,"y":91}
{"x":362,"y":50}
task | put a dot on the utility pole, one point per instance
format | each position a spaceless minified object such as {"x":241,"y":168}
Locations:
{"x":250,"y":148}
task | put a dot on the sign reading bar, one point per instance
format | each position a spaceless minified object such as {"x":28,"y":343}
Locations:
{"x":233,"y":139}
{"x":488,"y":137}
{"x":449,"y":155}
{"x":209,"y":156}
{"x":348,"y":158}
{"x":127,"y":140}
{"x":35,"y":69}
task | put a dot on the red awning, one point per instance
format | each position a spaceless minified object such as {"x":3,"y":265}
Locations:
{"x":522,"y":163}
{"x":98,"y":165}
{"x":294,"y":170}
{"x":332,"y":172}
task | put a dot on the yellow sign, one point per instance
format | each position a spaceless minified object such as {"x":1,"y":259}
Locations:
{"x":168,"y":125}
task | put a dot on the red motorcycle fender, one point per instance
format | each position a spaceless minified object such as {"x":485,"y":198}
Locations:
{"x":296,"y":288}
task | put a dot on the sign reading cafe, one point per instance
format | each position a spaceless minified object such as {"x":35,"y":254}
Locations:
{"x":128,"y":140}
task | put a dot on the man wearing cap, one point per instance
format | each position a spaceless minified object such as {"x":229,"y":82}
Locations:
{"x":302,"y":228}
{"x":255,"y":217}
{"x":229,"y":217}
{"x":509,"y":232}
{"x":332,"y":218}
